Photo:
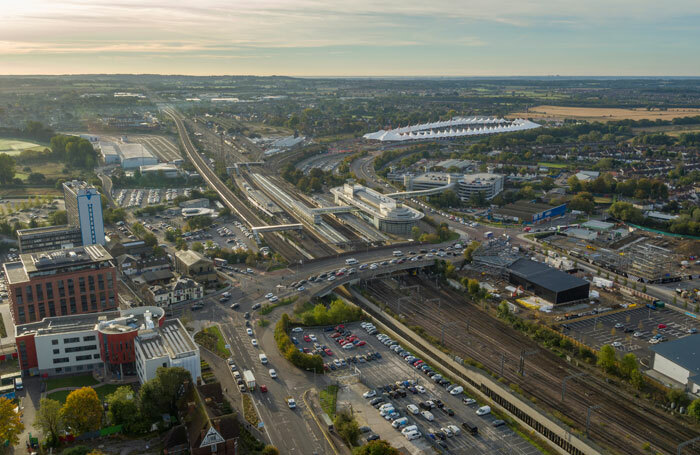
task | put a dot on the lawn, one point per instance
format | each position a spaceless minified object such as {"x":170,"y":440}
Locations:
{"x":50,"y":169}
{"x":70,"y":381}
{"x":329,"y":397}
{"x":212,"y":339}
{"x":102,"y":393}
{"x":554,"y":165}
{"x":15,"y":146}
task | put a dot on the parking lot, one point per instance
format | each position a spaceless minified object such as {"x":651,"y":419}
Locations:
{"x":635,"y":328}
{"x":378,"y":373}
{"x":136,"y":198}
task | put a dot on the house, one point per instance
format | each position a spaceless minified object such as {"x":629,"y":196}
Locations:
{"x":182,"y":290}
{"x":129,"y":264}
{"x":195,"y":265}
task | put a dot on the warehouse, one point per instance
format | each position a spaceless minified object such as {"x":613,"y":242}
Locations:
{"x":546,"y":282}
{"x":679,"y":360}
{"x":129,"y":155}
{"x":528,"y":212}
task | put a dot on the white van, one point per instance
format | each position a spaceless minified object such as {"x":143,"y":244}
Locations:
{"x":398,"y":422}
{"x":18,"y":384}
{"x":413,"y":435}
{"x":427,"y":415}
{"x":409,"y":429}
{"x":398,"y":253}
{"x":351,"y":261}
{"x":413,"y":409}
{"x":482,"y":411}
{"x":263,"y":359}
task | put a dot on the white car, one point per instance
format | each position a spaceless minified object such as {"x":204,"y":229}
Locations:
{"x":616,"y":344}
{"x":273,"y":373}
{"x":454,"y":429}
{"x":409,"y":429}
{"x":457,"y":390}
{"x":273,"y":299}
{"x":482,"y":411}
{"x":254,"y":341}
{"x":447,"y":432}
{"x":297,"y":329}
{"x":369,"y":394}
{"x":249,"y":331}
{"x":427,"y":415}
{"x":313,"y":337}
{"x":268,"y":295}
{"x":469,"y":401}
{"x":420,"y":389}
{"x":348,"y":346}
{"x":413,"y":409}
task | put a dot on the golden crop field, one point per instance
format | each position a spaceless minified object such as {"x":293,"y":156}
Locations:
{"x":602,"y":114}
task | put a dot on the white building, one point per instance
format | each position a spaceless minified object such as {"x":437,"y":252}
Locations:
{"x":679,"y":361}
{"x":486,"y":183}
{"x":129,"y":155}
{"x":167,"y":346}
{"x":109,"y":153}
{"x":84,"y":209}
{"x":449,"y":129}
{"x":182,"y":290}
{"x":168,"y":170}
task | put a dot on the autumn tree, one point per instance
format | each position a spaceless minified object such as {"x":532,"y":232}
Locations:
{"x":48,"y":419}
{"x":83,"y":410}
{"x":606,"y":358}
{"x":378,"y":447}
{"x":11,"y":425}
{"x":270,"y":450}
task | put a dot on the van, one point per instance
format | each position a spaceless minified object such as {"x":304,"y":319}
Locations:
{"x":482,"y":411}
{"x":427,"y":415}
{"x":399,"y":422}
{"x":351,"y":261}
{"x":409,"y":429}
{"x":18,"y":384}
{"x":263,"y":359}
{"x":471,"y":428}
{"x":413,"y":435}
{"x":413,"y":409}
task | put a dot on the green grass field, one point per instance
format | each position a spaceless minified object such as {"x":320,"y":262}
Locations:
{"x":50,"y":169}
{"x":15,"y":146}
{"x":328,"y":398}
{"x":554,"y":165}
{"x":212,"y":339}
{"x":70,"y":381}
{"x":102,"y":392}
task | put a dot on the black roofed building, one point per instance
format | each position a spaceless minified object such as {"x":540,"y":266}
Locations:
{"x":546,"y":282}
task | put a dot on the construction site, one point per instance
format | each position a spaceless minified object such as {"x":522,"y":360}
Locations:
{"x":569,"y":389}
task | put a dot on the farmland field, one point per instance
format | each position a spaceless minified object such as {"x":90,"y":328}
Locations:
{"x":15,"y":146}
{"x":603,"y":114}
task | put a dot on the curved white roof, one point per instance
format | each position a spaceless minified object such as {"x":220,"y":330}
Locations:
{"x":443,"y":129}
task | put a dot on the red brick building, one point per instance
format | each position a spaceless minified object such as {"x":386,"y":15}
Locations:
{"x":61,"y":283}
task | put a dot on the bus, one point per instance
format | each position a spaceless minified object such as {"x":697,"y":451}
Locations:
{"x":9,"y":379}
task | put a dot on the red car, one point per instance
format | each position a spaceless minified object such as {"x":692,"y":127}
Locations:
{"x":662,"y":326}
{"x":326,"y":367}
{"x":263,"y":388}
{"x":344,"y":342}
{"x":361,"y":343}
{"x":335,"y":335}
{"x":352,"y":338}
{"x":307,"y":339}
{"x":328,"y":352}
{"x":306,"y":350}
{"x":339,"y":327}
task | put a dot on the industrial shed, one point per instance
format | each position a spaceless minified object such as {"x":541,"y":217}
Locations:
{"x":546,"y":282}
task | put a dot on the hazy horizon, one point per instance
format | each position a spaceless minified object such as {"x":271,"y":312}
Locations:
{"x":311,"y":38}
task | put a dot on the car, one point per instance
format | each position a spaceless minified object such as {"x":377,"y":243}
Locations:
{"x":256,"y":306}
{"x":313,"y":337}
{"x":662,"y":326}
{"x":230,"y":361}
{"x":443,"y":444}
{"x":449,"y":412}
{"x":447,"y":432}
{"x":249,"y":332}
{"x":335,"y":335}
{"x":361,"y":343}
{"x":498,"y":423}
{"x":348,"y":346}
{"x":273,"y":373}
{"x":246,"y":315}
{"x":616,"y":344}
{"x":420,"y":389}
{"x":482,"y":411}
{"x":454,"y":429}
{"x":619,"y":325}
{"x":427,"y":415}
{"x":637,"y":334}
{"x":328,"y":352}
{"x":376,"y":401}
{"x":234,"y":305}
{"x":263,"y":388}
{"x":372,"y":437}
{"x":369,"y":394}
{"x":297,"y":329}
{"x":307,"y":338}
{"x":268,"y":295}
{"x":469,"y":401}
{"x":456,"y":390}
{"x":692,"y":330}
{"x":254,"y":341}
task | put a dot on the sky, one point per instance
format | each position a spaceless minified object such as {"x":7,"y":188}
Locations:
{"x":352,"y":37}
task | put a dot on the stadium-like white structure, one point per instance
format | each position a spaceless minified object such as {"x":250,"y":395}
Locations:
{"x":457,"y":127}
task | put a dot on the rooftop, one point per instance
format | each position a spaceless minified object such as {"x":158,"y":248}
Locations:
{"x":683,"y":351}
{"x":481,"y":178}
{"x":375,"y":203}
{"x":598,"y":225}
{"x":189,"y":257}
{"x":522,"y":209}
{"x":107,"y":322}
{"x":171,"y":339}
{"x":30,"y":263}
{"x":46,"y":230}
{"x":133,"y":150}
{"x":545,"y":276}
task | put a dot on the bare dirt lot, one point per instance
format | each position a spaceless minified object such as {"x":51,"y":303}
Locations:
{"x":603,"y":114}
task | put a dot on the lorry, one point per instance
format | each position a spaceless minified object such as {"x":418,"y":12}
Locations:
{"x":488,"y":235}
{"x":291,"y":403}
{"x":249,"y":379}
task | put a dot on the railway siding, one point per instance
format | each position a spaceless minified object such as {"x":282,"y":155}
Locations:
{"x":486,"y":388}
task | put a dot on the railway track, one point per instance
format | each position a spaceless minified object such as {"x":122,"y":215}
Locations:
{"x":620,"y":424}
{"x":229,"y":198}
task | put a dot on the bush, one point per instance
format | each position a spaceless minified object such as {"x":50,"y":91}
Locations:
{"x":290,"y":352}
{"x":337,"y":312}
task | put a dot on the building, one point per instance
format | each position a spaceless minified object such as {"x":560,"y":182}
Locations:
{"x":679,"y":361}
{"x":136,"y":248}
{"x":383,"y":212}
{"x":489,"y":185}
{"x":546,"y":282}
{"x":166,"y":169}
{"x":182,"y":290}
{"x":528,"y":212}
{"x":194,"y":265}
{"x":582,"y":234}
{"x":200,"y":203}
{"x":450,"y":129}
{"x":596,"y":225}
{"x":587,"y":176}
{"x":97,"y":341}
{"x":84,"y":209}
{"x":648,"y":261}
{"x":128,"y":155}
{"x":132,"y":265}
{"x":167,"y":345}
{"x":194,"y":211}
{"x":60,"y":283}
{"x":49,"y":238}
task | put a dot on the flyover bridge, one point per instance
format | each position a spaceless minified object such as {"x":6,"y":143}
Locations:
{"x":418,"y":193}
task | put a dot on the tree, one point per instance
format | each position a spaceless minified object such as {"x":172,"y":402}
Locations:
{"x":36,"y":178}
{"x":469,"y":250}
{"x":48,"y":419}
{"x":694,"y":410}
{"x":160,"y":393}
{"x":347,"y":427}
{"x":378,"y":447}
{"x":473,"y":287}
{"x":628,"y":365}
{"x":415,"y":232}
{"x":150,"y":239}
{"x":270,"y":450}
{"x":83,"y":410}
{"x":606,"y":358}
{"x":123,"y":407}
{"x":11,"y":425}
{"x":7,"y":168}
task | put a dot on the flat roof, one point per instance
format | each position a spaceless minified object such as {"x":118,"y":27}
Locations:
{"x":170,"y":339}
{"x":523,"y":209}
{"x":116,"y":321}
{"x":545,"y":276}
{"x":683,"y":351}
{"x":377,"y":204}
{"x":46,"y":230}
{"x":483,"y":178}
{"x":598,"y":225}
{"x":133,"y":150}
{"x":29,"y":263}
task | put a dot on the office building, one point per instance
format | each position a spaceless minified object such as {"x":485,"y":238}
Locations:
{"x":525,"y":212}
{"x":60,"y":283}
{"x":169,"y":345}
{"x":84,"y":209}
{"x":489,"y":185}
{"x":383,"y":212}
{"x":49,"y":238}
